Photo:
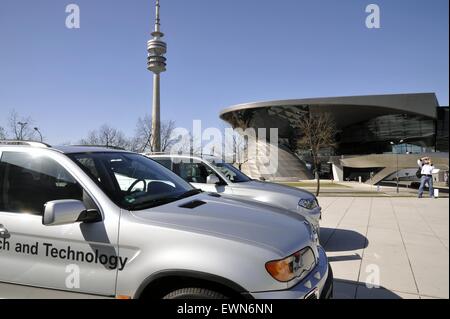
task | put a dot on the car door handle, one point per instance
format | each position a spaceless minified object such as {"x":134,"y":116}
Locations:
{"x":4,"y":233}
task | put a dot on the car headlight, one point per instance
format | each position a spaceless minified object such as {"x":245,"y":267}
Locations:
{"x":298,"y":265}
{"x":308,"y":203}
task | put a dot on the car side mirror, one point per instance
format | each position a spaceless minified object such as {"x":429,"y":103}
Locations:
{"x":212,"y":180}
{"x":68,"y":211}
{"x":262,"y":179}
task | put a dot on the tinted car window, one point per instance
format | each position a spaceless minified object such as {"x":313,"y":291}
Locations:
{"x":133,"y":181}
{"x":166,"y":162}
{"x":192,"y":172}
{"x":231,"y":173}
{"x":28,"y":182}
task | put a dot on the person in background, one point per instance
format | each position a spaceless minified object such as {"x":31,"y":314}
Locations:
{"x":446,"y":178}
{"x":427,"y":168}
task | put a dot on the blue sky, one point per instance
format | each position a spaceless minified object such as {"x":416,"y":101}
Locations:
{"x":220,"y":53}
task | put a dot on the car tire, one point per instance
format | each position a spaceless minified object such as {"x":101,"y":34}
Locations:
{"x":194,"y":293}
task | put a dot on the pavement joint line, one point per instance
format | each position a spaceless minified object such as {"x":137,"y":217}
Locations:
{"x":431,"y":228}
{"x":329,"y":205}
{"x":362,"y":284}
{"x":436,"y":297}
{"x":365,"y":245}
{"x":339,"y":222}
{"x":404,"y":246}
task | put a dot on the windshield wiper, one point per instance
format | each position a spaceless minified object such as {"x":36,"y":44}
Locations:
{"x":152,"y":203}
{"x":190,"y":193}
{"x":164,"y":200}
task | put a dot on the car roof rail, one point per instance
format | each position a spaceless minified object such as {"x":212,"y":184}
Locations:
{"x":157,"y":153}
{"x":25,"y":143}
{"x":177,"y":154}
{"x":102,"y":146}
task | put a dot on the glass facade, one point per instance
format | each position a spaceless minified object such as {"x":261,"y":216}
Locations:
{"x":410,"y":149}
{"x":373,"y":136}
{"x":376,"y":135}
{"x":442,"y":130}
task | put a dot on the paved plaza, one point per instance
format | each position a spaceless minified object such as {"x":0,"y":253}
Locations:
{"x":403,"y":240}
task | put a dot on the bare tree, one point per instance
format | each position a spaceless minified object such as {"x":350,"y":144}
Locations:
{"x":315,"y":133}
{"x":20,"y":127}
{"x":167,"y":138}
{"x":141,"y":142}
{"x":106,"y":136}
{"x":186,"y":144}
{"x":240,"y":149}
{"x":2,"y":133}
{"x":194,"y":146}
{"x":234,"y":147}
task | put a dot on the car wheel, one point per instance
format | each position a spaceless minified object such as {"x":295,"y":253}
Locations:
{"x":194,"y":293}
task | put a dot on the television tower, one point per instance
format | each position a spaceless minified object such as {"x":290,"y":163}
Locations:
{"x":156,"y":63}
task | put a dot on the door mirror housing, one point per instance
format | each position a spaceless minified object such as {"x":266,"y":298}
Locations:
{"x":68,"y":211}
{"x":212,"y":180}
{"x":262,"y":179}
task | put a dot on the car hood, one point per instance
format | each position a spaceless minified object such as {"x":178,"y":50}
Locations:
{"x":235,"y":219}
{"x":275,"y":188}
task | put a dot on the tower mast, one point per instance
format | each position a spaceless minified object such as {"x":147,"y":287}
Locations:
{"x":156,"y":63}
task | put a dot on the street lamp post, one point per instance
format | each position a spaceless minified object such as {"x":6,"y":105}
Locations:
{"x":396,"y":153}
{"x":39,"y":132}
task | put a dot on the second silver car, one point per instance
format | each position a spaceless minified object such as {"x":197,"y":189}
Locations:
{"x":210,"y":174}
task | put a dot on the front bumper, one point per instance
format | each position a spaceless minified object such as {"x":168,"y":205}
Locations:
{"x":318,"y":284}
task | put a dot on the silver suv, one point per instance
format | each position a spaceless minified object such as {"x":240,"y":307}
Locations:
{"x":210,"y":174}
{"x":93,"y":222}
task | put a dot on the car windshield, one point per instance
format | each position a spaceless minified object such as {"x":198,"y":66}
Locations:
{"x":231,"y":173}
{"x":133,"y":181}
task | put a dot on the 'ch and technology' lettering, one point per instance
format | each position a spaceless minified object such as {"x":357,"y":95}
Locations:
{"x":95,"y":256}
{"x":111,"y":261}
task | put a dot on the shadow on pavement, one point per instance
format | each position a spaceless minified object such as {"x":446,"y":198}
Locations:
{"x":335,"y":240}
{"x":344,"y":258}
{"x":347,"y":289}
